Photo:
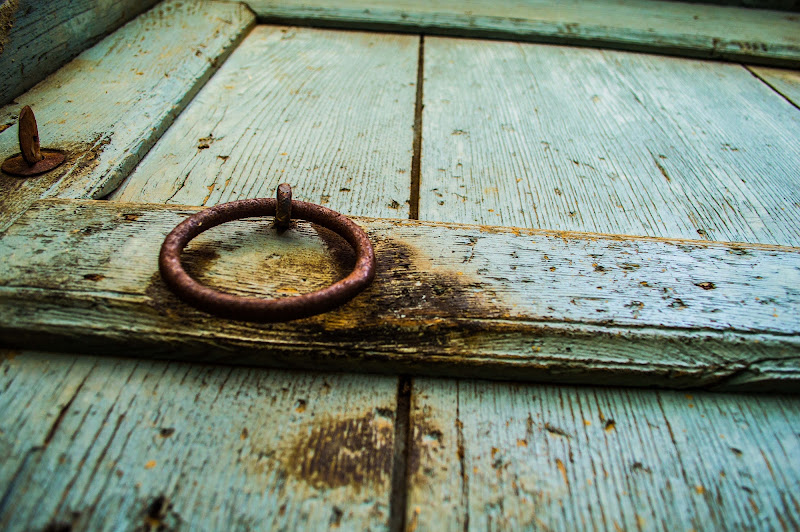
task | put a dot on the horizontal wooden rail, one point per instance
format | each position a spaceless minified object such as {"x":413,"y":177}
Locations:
{"x":448,"y":299}
{"x":675,"y":28}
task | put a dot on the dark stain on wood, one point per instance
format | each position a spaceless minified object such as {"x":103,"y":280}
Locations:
{"x":423,"y":293}
{"x":427,"y":441}
{"x":159,"y":515}
{"x":402,"y":294}
{"x":338,"y":452}
{"x":196,"y":259}
{"x":57,"y":526}
{"x":556,"y":431}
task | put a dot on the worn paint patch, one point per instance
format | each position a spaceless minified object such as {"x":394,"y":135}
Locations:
{"x":342,"y":452}
{"x":427,"y":441}
{"x":8,"y":15}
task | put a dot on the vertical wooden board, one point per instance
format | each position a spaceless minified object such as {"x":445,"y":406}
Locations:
{"x":329,"y":112}
{"x":33,"y":393}
{"x":37,"y":37}
{"x":786,"y":82}
{"x":589,"y":140}
{"x":288,"y":106}
{"x":108,"y":106}
{"x":663,"y":27}
{"x":153,"y":444}
{"x":560,"y":458}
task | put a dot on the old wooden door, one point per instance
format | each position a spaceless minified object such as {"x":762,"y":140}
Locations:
{"x":613,"y":232}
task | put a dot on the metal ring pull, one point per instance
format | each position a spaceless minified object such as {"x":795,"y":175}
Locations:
{"x":260,"y":309}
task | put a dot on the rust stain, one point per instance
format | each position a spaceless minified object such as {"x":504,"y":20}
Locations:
{"x":9,"y":354}
{"x":562,"y":468}
{"x":427,"y":440}
{"x":336,"y":452}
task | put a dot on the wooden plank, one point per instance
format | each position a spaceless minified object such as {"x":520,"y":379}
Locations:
{"x":448,"y":299}
{"x":108,"y":443}
{"x":36,"y":37}
{"x":285,"y":107}
{"x":40,"y":386}
{"x":786,"y":82}
{"x":492,"y":456}
{"x":108,"y":106}
{"x":514,"y":456}
{"x":696,"y":30}
{"x":784,"y":5}
{"x":289,"y":107}
{"x":635,"y":144}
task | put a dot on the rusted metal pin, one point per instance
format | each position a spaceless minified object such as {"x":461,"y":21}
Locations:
{"x":31,"y":160}
{"x":283,"y":207}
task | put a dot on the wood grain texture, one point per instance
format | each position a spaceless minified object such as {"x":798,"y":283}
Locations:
{"x":329,"y":112}
{"x":452,"y":300}
{"x":37,"y":37}
{"x":491,"y":456}
{"x":786,"y":82}
{"x":108,"y":106}
{"x":695,"y":30}
{"x":634,"y":144}
{"x":109,"y":443}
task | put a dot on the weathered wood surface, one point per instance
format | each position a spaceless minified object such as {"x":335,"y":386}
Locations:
{"x":108,"y":443}
{"x":773,"y":418}
{"x":786,"y":82}
{"x":37,"y":36}
{"x":695,"y":30}
{"x":635,"y":144}
{"x":453,"y":300}
{"x":785,"y":5}
{"x":108,"y":106}
{"x":330,"y":112}
{"x":492,"y":456}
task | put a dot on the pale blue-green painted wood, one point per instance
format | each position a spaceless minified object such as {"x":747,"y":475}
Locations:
{"x":330,"y":112}
{"x":39,"y":36}
{"x":119,"y":444}
{"x":109,"y":105}
{"x":447,"y":299}
{"x":438,"y":501}
{"x":695,"y":30}
{"x":634,"y":144}
{"x":492,"y":456}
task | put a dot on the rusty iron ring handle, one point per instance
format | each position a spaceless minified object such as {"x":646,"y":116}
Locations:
{"x":258,"y":309}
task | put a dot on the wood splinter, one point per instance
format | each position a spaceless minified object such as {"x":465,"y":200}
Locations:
{"x":31,"y":160}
